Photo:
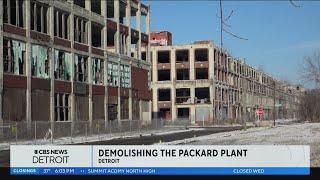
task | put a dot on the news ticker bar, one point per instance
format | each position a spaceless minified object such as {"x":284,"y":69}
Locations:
{"x":163,"y":171}
{"x":159,"y":160}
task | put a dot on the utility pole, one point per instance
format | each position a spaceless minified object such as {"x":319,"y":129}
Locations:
{"x":274,"y":103}
{"x":223,"y":29}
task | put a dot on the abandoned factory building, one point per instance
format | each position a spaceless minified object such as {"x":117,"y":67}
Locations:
{"x":202,"y":84}
{"x":74,"y":60}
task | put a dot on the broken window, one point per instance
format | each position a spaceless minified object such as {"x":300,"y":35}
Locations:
{"x":112,"y":112}
{"x":124,"y":108}
{"x":125,"y":76}
{"x":183,"y":95}
{"x":81,"y":3}
{"x":111,"y":40}
{"x":164,"y":95}
{"x":201,"y":55}
{"x":143,"y":56}
{"x":163,"y":75}
{"x":133,"y":17}
{"x":202,"y":73}
{"x":96,"y":6}
{"x":113,"y":74}
{"x":61,"y":25}
{"x":165,"y":113}
{"x":96,"y":35}
{"x":40,"y":61}
{"x":202,"y":95}
{"x":14,"y":57}
{"x":13,"y":12}
{"x":122,"y":12}
{"x":80,"y":68}
{"x":97,"y":71}
{"x":80,"y":30}
{"x":143,"y":21}
{"x":182,"y":74}
{"x":62,"y":65}
{"x":38,"y":17}
{"x":183,"y":113}
{"x":182,"y":56}
{"x":163,"y":56}
{"x":110,"y":9}
{"x":134,"y":48}
{"x":62,"y":107}
{"x":135,"y":109}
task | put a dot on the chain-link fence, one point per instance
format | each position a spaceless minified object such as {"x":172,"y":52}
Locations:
{"x":80,"y":131}
{"x":65,"y":132}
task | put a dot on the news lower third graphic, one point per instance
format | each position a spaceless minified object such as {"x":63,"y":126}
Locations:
{"x":159,"y":160}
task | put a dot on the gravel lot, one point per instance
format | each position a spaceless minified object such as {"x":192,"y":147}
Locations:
{"x":294,"y":134}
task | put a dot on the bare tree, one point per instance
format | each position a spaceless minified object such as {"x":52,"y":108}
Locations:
{"x":294,"y":4}
{"x":309,"y":109}
{"x":310,"y":100}
{"x":310,"y":68}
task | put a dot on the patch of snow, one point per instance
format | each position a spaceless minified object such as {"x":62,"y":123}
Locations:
{"x":294,"y":134}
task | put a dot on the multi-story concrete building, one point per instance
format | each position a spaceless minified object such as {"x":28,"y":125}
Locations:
{"x":74,"y":60}
{"x":199,"y":83}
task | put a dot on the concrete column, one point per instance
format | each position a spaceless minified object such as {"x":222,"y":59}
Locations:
{"x":117,"y":50}
{"x":130,"y":103}
{"x":88,"y":5}
{"x":57,"y":22}
{"x":138,"y":22}
{"x":128,"y":17}
{"x":1,"y":69}
{"x":90,"y":60}
{"x":83,"y":38}
{"x":173,"y":105}
{"x":154,"y":67}
{"x":150,"y":110}
{"x":155,"y":99}
{"x":9,"y":12}
{"x":117,"y":34}
{"x":173,"y":80}
{"x":173,"y":65}
{"x":192,"y":94}
{"x":105,"y":64}
{"x":192,"y":68}
{"x":140,"y":110}
{"x":148,"y":21}
{"x":17,"y":13}
{"x":41,"y":19}
{"x":51,"y":61}
{"x":63,"y":26}
{"x":148,"y":33}
{"x":193,"y":114}
{"x":211,"y":62}
{"x":119,"y":94}
{"x":211,"y":89}
{"x":34,"y":16}
{"x":72,"y":96}
{"x":212,"y":81}
{"x":28,"y":69}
